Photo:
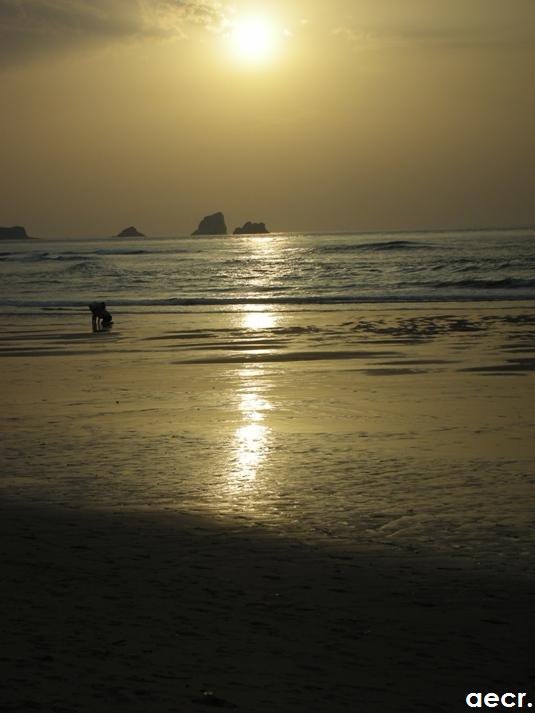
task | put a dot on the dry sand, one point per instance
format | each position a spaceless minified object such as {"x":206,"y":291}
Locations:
{"x":324,"y":512}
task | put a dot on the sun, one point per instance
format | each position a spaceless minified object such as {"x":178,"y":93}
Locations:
{"x":253,"y":40}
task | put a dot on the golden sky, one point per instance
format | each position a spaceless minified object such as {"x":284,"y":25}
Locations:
{"x":324,"y":115}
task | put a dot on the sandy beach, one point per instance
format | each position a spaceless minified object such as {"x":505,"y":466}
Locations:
{"x":267,"y":511}
{"x":152,"y":612}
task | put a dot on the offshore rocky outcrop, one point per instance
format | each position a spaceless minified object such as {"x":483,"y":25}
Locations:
{"x":130,"y":232}
{"x":251,"y":229}
{"x":14,"y":233}
{"x":212,"y":225}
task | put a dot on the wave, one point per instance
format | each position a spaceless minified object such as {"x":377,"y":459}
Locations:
{"x":234,"y":302}
{"x":94,"y":255}
{"x":71,"y":257}
{"x":505,"y":283}
{"x":121,"y":251}
{"x":375,"y":247}
{"x":44,"y":256}
{"x":26,"y":257}
{"x":82,"y":269}
{"x":145,"y":251}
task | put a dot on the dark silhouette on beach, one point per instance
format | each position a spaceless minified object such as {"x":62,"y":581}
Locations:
{"x":101,"y":319}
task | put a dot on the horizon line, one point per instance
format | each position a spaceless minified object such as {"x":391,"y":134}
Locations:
{"x":375,"y":231}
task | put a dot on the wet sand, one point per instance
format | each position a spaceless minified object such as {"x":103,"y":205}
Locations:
{"x":300,"y":512}
{"x":150,"y":612}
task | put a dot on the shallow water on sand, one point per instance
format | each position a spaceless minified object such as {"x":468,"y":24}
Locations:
{"x":407,"y":427}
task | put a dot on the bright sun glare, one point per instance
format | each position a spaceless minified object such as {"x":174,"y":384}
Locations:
{"x":253,"y":40}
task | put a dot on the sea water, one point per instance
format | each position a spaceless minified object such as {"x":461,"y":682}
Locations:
{"x":279,"y":271}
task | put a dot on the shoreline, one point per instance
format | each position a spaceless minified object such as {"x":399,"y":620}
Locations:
{"x":194,"y":306}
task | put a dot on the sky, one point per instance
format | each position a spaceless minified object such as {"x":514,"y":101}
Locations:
{"x":309,"y":116}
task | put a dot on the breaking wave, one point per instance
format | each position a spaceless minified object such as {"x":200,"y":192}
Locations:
{"x":375,"y":247}
{"x":93,"y":255}
{"x":506,"y":283}
{"x":272,"y":301}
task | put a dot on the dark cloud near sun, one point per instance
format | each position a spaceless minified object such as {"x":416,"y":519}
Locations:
{"x":455,"y":24}
{"x":29,"y":28}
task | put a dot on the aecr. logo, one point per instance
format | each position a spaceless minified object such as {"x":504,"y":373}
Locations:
{"x":493,"y":700}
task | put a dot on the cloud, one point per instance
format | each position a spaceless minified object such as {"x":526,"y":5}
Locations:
{"x":365,"y":39}
{"x":433,"y":23}
{"x":33,"y":27}
{"x":170,"y":16}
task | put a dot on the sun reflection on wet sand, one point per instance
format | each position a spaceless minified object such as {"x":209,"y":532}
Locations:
{"x":251,"y":450}
{"x":250,"y":446}
{"x":259,"y":320}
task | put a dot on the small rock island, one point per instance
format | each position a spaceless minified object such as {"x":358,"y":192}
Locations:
{"x":14,"y":233}
{"x":130,"y":232}
{"x":212,"y":225}
{"x":251,"y":229}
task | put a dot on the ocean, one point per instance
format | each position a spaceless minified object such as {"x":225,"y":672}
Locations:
{"x":279,"y":271}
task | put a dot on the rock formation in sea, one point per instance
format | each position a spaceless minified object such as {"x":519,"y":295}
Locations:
{"x":130,"y":232}
{"x":14,"y":233}
{"x":251,"y":229}
{"x":212,"y":225}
